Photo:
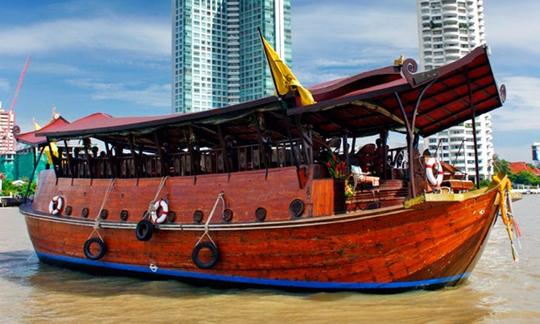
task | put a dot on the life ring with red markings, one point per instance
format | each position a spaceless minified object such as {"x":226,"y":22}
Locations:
{"x":431,"y":164}
{"x":56,"y":204}
{"x":161,"y":210}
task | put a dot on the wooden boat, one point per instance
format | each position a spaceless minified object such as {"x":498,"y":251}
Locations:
{"x":255,"y":194}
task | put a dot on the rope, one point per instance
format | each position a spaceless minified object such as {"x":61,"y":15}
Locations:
{"x":97,"y":220}
{"x":206,"y":224}
{"x":152,"y":202}
{"x":505,"y":209}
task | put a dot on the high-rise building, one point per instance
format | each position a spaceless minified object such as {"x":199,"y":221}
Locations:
{"x":217,"y":56}
{"x":7,"y":139}
{"x":448,"y":30}
{"x":536,"y":152}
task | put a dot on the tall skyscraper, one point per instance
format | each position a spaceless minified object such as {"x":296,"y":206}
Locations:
{"x":448,"y":30}
{"x":218,"y":58}
{"x":7,"y":139}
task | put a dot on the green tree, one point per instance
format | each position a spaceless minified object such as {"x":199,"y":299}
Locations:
{"x":501,"y":166}
{"x":527,"y":178}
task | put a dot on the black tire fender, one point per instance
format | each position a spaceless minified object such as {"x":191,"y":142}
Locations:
{"x":144,"y":230}
{"x":213,"y":260}
{"x":102,"y":248}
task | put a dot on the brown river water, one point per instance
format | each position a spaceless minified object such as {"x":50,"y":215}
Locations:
{"x":498,"y":291}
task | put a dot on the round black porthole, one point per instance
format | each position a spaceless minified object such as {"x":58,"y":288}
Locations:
{"x":227,"y":215}
{"x":260,"y":214}
{"x":103,"y":214}
{"x":198,"y":216}
{"x":124,"y":215}
{"x":68,"y":210}
{"x":85,"y":212}
{"x":171,"y":217}
{"x":296,"y":208}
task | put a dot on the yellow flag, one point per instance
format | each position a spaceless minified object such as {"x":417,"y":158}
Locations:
{"x":284,"y":77}
{"x":46,"y":150}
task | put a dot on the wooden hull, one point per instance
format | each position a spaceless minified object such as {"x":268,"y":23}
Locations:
{"x":430,"y":245}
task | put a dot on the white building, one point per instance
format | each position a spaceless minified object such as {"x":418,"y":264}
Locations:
{"x":448,"y":30}
{"x":217,"y":56}
{"x":7,"y":139}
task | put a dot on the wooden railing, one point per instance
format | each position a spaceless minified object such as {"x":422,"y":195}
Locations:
{"x":204,"y":161}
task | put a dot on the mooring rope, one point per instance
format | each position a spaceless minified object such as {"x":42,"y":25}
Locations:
{"x":97,"y":220}
{"x":505,"y":209}
{"x":206,"y":224}
{"x":152,"y":202}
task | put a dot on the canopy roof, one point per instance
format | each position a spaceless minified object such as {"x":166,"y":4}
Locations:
{"x":359,"y":105}
{"x":31,"y":138}
{"x":452,"y":90}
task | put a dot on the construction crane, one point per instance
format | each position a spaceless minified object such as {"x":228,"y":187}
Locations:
{"x":19,"y":84}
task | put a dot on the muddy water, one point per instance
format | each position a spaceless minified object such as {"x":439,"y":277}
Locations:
{"x":498,"y":291}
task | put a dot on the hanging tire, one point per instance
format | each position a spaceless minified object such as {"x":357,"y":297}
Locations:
{"x":213,"y":259}
{"x":102,"y":248}
{"x":144,"y":230}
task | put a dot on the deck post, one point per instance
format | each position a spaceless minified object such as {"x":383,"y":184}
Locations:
{"x":53,"y":160}
{"x":475,"y":140}
{"x":70,"y":162}
{"x":111,"y":160}
{"x":33,"y":173}
{"x":86,"y":143}
{"x":134,"y":155}
{"x":410,"y":139}
{"x":160,"y":154}
{"x":259,"y":123}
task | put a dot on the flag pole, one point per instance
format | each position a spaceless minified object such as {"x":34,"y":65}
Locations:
{"x":268,"y":61}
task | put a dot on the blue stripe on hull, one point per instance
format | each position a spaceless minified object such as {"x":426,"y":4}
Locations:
{"x":274,"y":283}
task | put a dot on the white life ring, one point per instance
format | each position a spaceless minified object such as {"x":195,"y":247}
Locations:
{"x":160,"y":204}
{"x":56,"y":204}
{"x":432,"y":162}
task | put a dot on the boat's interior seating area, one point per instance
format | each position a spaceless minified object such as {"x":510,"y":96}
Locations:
{"x":181,"y":163}
{"x":388,"y":193}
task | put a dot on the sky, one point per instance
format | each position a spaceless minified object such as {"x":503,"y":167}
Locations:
{"x":114,"y":56}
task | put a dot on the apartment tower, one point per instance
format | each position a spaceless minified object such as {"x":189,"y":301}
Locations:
{"x":217,"y":56}
{"x":448,"y":30}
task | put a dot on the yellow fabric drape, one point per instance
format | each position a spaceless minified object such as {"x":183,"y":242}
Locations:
{"x":284,"y":77}
{"x":46,"y":150}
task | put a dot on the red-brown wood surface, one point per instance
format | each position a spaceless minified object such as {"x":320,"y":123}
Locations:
{"x":431,"y":240}
{"x":244,"y":192}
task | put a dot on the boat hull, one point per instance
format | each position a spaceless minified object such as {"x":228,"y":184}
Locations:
{"x":429,"y":245}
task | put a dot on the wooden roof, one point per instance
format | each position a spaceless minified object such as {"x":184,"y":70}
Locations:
{"x":360,"y":105}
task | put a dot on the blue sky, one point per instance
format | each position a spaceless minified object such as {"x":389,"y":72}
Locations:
{"x":114,"y":56}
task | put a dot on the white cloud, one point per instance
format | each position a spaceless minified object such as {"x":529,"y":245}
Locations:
{"x":110,"y":33}
{"x":339,"y":24}
{"x":333,"y":39}
{"x":155,"y":95}
{"x":522,"y":108}
{"x":509,"y":25}
{"x":4,"y":85}
{"x":54,"y":68}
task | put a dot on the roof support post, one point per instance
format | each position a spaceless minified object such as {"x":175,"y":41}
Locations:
{"x":345,"y":140}
{"x":134,"y":155}
{"x":410,"y":126}
{"x":473,"y":118}
{"x":70,"y":162}
{"x":224,"y":154}
{"x":111,"y":160}
{"x":410,"y":139}
{"x":33,"y":173}
{"x":86,"y":143}
{"x":259,"y":122}
{"x":160,"y":154}
{"x":53,"y":159}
